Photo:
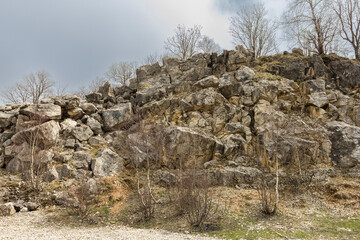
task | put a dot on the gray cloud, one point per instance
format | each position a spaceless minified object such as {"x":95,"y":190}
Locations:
{"x":77,"y":40}
{"x":230,"y":6}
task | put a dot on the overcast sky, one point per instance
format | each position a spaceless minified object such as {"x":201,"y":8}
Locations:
{"x":77,"y":40}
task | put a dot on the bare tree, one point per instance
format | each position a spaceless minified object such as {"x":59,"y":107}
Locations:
{"x":348,"y":12}
{"x":208,"y":45}
{"x":39,"y":85}
{"x":152,"y":59}
{"x":311,"y":24}
{"x":184,"y":42}
{"x":32,"y":88}
{"x":16,"y":94}
{"x":251,"y":28}
{"x":121,"y":72}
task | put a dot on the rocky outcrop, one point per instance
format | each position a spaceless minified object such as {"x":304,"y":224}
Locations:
{"x":229,"y":114}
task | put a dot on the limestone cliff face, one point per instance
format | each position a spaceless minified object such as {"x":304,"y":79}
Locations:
{"x":229,"y":113}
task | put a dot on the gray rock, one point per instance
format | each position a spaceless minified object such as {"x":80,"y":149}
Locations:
{"x":204,"y":100}
{"x":345,"y":139}
{"x":94,"y":97}
{"x":70,"y":143}
{"x":207,"y":82}
{"x":5,"y":119}
{"x":48,"y":134}
{"x":198,"y":147}
{"x":244,"y":73}
{"x":68,"y":124}
{"x":65,"y":171}
{"x":82,"y":160}
{"x":117,"y":117}
{"x":67,"y":101}
{"x":94,"y":125}
{"x":7,"y":209}
{"x":107,"y":163}
{"x":88,"y":108}
{"x":316,"y":85}
{"x":75,"y":113}
{"x":82,"y":132}
{"x":42,"y":111}
{"x":91,"y":186}
{"x":107,"y":91}
{"x":318,"y":99}
{"x":51,"y":174}
{"x":97,"y":140}
{"x":31,"y":206}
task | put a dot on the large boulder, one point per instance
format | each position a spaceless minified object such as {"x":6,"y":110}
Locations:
{"x":244,"y":73}
{"x":204,"y":100}
{"x":5,"y":119}
{"x":117,"y":117}
{"x":82,"y":160}
{"x":107,"y":163}
{"x":191,"y":147}
{"x":94,"y":125}
{"x":345,"y":138}
{"x":346,"y":70}
{"x":42,"y":112}
{"x":207,"y":82}
{"x":88,"y":108}
{"x":66,"y":102}
{"x":82,"y":132}
{"x":48,"y":134}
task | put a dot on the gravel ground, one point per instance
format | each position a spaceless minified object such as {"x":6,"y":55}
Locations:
{"x":33,"y":225}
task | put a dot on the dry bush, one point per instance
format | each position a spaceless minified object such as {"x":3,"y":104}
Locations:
{"x":193,"y":198}
{"x":84,"y":199}
{"x":37,"y":164}
{"x":147,"y":201}
{"x":268,"y":200}
{"x":141,"y":145}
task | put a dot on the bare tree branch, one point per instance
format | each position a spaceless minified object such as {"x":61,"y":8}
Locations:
{"x":121,"y":72}
{"x":251,"y":28}
{"x":152,"y":59}
{"x":208,"y":45}
{"x":312,"y":25}
{"x":183,"y":44}
{"x":348,"y":13}
{"x":32,"y":89}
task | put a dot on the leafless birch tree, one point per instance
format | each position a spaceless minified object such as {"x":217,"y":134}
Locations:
{"x":311,"y":24}
{"x":121,"y":72}
{"x":152,"y":59}
{"x":184,"y":42}
{"x":348,"y":12}
{"x":251,"y":28}
{"x":31,"y":89}
{"x":208,"y":45}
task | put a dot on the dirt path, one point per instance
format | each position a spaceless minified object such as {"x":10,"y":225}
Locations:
{"x":35,"y":225}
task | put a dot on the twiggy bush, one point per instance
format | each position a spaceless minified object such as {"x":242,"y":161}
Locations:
{"x":85,"y":200}
{"x":193,"y":198}
{"x":37,"y":164}
{"x":268,"y":200}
